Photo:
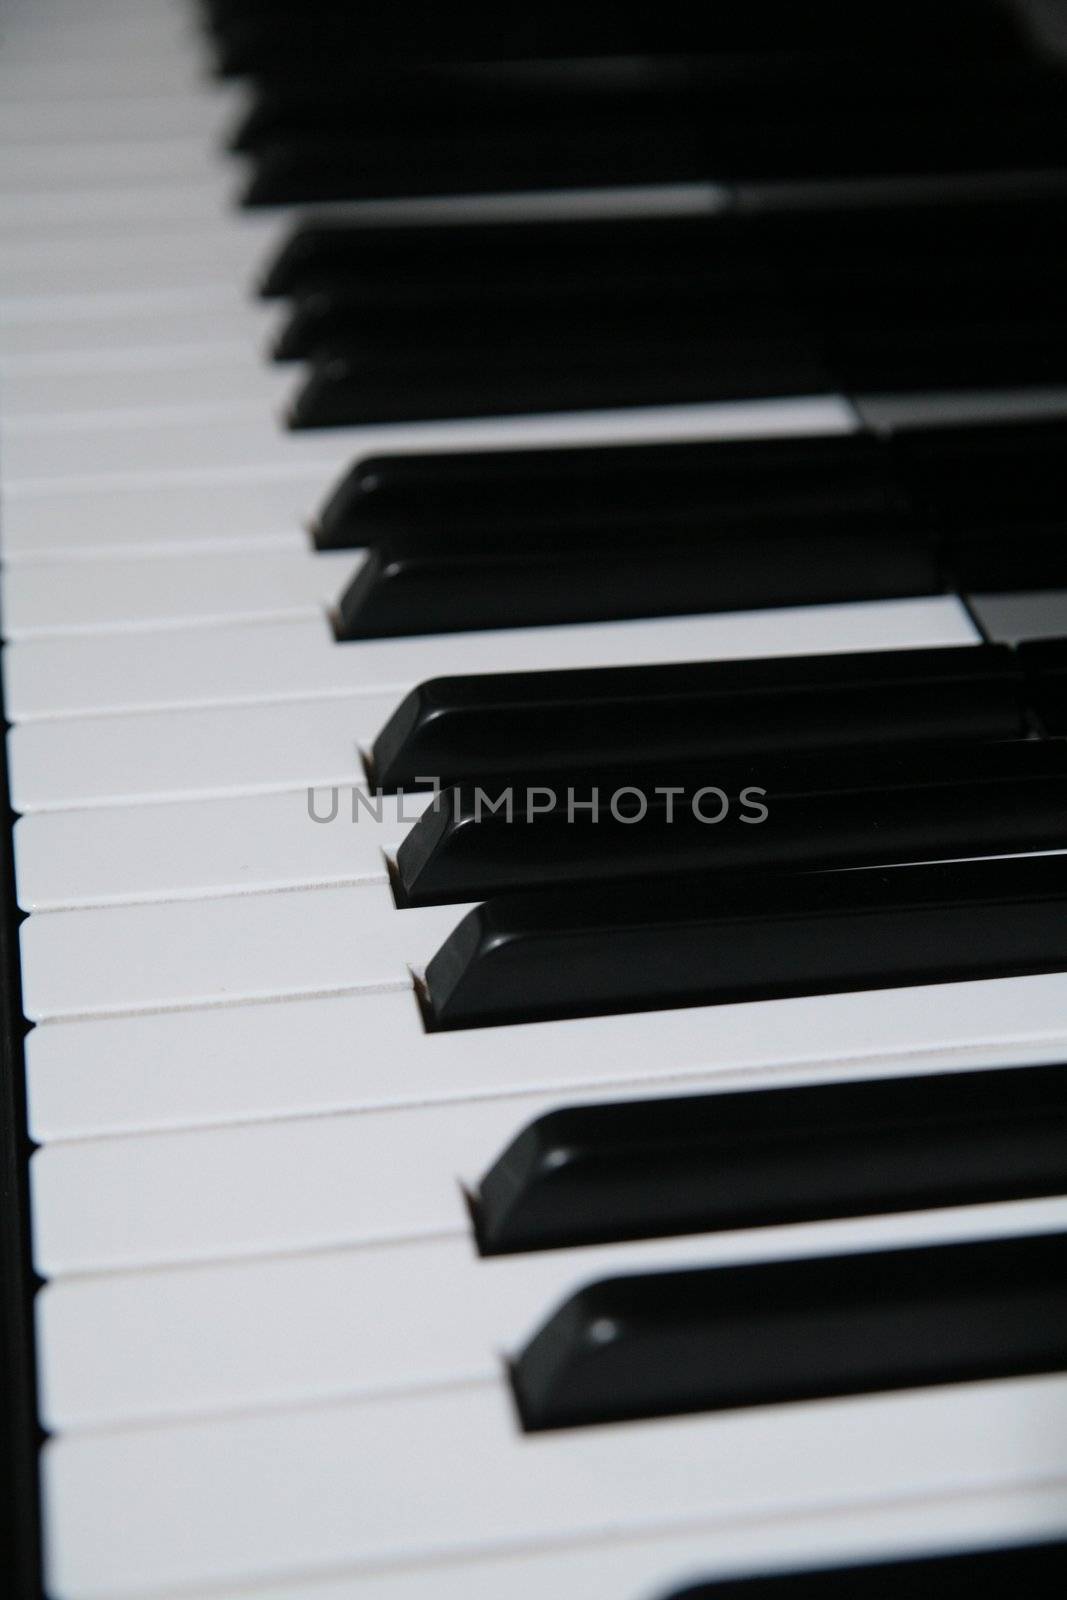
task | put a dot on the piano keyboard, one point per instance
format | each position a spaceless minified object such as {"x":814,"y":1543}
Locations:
{"x":615,"y":1199}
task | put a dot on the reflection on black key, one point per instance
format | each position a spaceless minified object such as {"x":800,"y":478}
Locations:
{"x":844,"y":482}
{"x":839,"y":809}
{"x":497,"y":724}
{"x":641,"y":1169}
{"x":719,"y":1338}
{"x":1035,"y":1571}
{"x":706,"y":941}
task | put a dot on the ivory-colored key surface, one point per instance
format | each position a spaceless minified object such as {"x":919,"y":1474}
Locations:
{"x":95,"y":458}
{"x":211,"y":1066}
{"x":634,"y":1564}
{"x":241,"y":947}
{"x":355,"y":1474}
{"x":210,"y":847}
{"x":233,"y":1336}
{"x":200,"y":754}
{"x":75,"y":676}
{"x":35,"y":267}
{"x":105,"y":596}
{"x":55,"y":402}
{"x":112,"y":326}
{"x":190,"y":518}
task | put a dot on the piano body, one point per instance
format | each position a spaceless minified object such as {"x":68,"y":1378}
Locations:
{"x":535,"y":915}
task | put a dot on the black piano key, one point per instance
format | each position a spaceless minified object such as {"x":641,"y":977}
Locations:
{"x":431,"y":100}
{"x":477,"y":256}
{"x":996,"y":492}
{"x":459,"y":323}
{"x":996,"y":351}
{"x":321,"y":168}
{"x":346,"y":96}
{"x":1045,"y":661}
{"x":828,"y":251}
{"x":644,"y":1169}
{"x":1003,"y":476}
{"x":1006,"y":1573}
{"x":262,"y":34}
{"x":716,"y":1339}
{"x":692,"y":357}
{"x":500,"y":723}
{"x":404,"y":588}
{"x":840,"y":809}
{"x":684,"y":363}
{"x":658,"y":944}
{"x":720,"y":147}
{"x":437,"y":333}
{"x":840,"y":481}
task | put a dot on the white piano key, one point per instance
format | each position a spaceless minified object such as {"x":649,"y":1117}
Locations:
{"x":188,"y":518}
{"x":205,"y":116}
{"x":100,"y":596}
{"x":205,"y":952}
{"x":122,"y":854}
{"x":139,"y":1347}
{"x":99,"y":75}
{"x":205,"y":754}
{"x":369,"y":1484}
{"x":123,"y":399}
{"x":155,"y":454}
{"x":75,"y":676}
{"x":154,"y":159}
{"x":305,"y":1184}
{"x":164,"y":324}
{"x":313,"y":1183}
{"x":122,"y":1075}
{"x":68,"y":35}
{"x":153,"y":448}
{"x":637,"y":1564}
{"x":118,"y":205}
{"x":34,"y":268}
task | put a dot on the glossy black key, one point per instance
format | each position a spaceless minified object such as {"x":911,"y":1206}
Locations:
{"x":405,"y":588}
{"x":1045,"y":661}
{"x":479,"y":257}
{"x":1033,"y":1570}
{"x":718,"y":487}
{"x":996,"y":493}
{"x":261,"y":35}
{"x":457,"y":322}
{"x":497,"y":724}
{"x":643,"y":1169}
{"x":827,"y":252}
{"x":379,"y":167}
{"x":724,"y":148}
{"x":658,"y":944}
{"x":998,"y":350}
{"x":693,"y":361}
{"x":431,"y":100}
{"x":701,"y":359}
{"x":720,"y":1338}
{"x":838,"y":809}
